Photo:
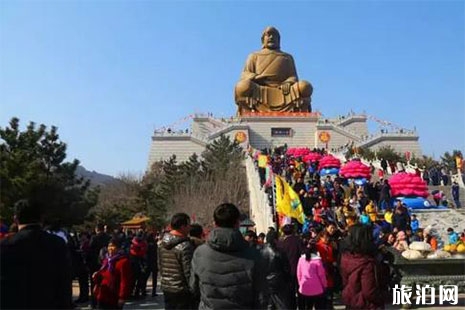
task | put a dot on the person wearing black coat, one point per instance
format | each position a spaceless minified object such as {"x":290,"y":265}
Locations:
{"x":226,"y":272}
{"x":292,"y":246}
{"x":401,"y":219}
{"x":385,"y":195}
{"x":35,"y":265}
{"x":97,"y":242}
{"x":152,"y":266}
{"x":276,"y":292}
{"x":384,"y":165}
{"x":174,"y":263}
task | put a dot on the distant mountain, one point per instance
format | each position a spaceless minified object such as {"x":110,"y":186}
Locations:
{"x":95,"y":178}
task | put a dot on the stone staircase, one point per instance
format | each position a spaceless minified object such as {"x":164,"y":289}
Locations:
{"x":260,"y":211}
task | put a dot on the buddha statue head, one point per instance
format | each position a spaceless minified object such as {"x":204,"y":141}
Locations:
{"x":271,"y":38}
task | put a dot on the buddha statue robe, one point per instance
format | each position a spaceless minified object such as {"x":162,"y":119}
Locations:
{"x":262,"y":84}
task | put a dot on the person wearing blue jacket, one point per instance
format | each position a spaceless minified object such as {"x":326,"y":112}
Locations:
{"x":453,"y":236}
{"x":414,"y":224}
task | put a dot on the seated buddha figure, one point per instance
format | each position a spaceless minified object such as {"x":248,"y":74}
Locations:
{"x":269,"y":80}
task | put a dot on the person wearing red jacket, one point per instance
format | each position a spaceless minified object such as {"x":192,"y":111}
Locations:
{"x":326,"y":252}
{"x":362,"y":276}
{"x":138,"y":259}
{"x":114,"y":279}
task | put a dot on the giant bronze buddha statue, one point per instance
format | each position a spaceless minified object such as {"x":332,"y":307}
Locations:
{"x":269,"y":81}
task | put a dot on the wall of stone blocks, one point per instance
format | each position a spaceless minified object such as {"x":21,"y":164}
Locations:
{"x":357,"y":126}
{"x":401,"y":145}
{"x":302,"y":132}
{"x":182,"y":147}
{"x":204,"y":126}
{"x":337,"y":139}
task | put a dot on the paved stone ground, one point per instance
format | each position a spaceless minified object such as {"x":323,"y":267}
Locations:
{"x":157,"y":302}
{"x":147,"y":303}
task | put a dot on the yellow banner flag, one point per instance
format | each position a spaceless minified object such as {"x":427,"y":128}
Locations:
{"x":458,"y":162}
{"x":287,"y":200}
{"x":262,"y":161}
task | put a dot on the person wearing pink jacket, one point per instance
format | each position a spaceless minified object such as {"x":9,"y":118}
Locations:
{"x":312,"y":279}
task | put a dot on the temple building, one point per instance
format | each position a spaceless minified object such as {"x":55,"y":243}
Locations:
{"x":269,"y":130}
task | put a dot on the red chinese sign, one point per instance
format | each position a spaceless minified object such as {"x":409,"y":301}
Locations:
{"x":240,"y":137}
{"x":324,"y":136}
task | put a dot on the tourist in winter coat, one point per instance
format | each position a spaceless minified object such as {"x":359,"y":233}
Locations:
{"x":385,"y":195}
{"x":291,"y":245}
{"x":326,"y":252}
{"x":452,"y":236}
{"x":414,"y":224}
{"x":174,"y":263}
{"x":455,"y":193}
{"x":371,"y":211}
{"x":35,"y":265}
{"x":384,"y":165}
{"x":138,"y":259}
{"x":97,"y":244}
{"x":226,"y":271}
{"x":277,"y":291}
{"x":196,"y":235}
{"x":113,"y":282}
{"x":362,"y":276}
{"x":401,"y":219}
{"x":152,"y":266}
{"x":312,"y":279}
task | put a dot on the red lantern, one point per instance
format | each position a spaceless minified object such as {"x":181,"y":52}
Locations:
{"x":407,"y":155}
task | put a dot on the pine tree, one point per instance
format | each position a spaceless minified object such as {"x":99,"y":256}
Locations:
{"x":35,"y":157}
{"x":389,"y":154}
{"x":220,"y":155}
{"x":424,"y":162}
{"x":157,"y":189}
{"x":191,"y":168}
{"x":448,"y":160}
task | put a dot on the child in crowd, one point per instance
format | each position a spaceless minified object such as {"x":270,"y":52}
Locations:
{"x":114,"y":279}
{"x":418,"y":236}
{"x":364,"y":219}
{"x":452,"y":236}
{"x":312,"y":279}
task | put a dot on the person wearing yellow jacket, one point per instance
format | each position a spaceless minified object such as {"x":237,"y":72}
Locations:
{"x":388,"y":215}
{"x":370,"y":209}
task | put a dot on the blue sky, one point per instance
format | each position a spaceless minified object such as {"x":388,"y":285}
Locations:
{"x":108,"y":72}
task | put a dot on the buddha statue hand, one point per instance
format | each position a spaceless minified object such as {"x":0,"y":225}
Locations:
{"x":253,"y":103}
{"x":286,"y":88}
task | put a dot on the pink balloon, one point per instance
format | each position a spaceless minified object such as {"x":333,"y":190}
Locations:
{"x":329,"y":161}
{"x":312,"y":157}
{"x":408,"y":184}
{"x":355,"y":169}
{"x":298,"y":152}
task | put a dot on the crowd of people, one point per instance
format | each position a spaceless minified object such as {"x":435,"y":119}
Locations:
{"x":333,"y":205}
{"x":39,"y":263}
{"x":343,"y":251}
